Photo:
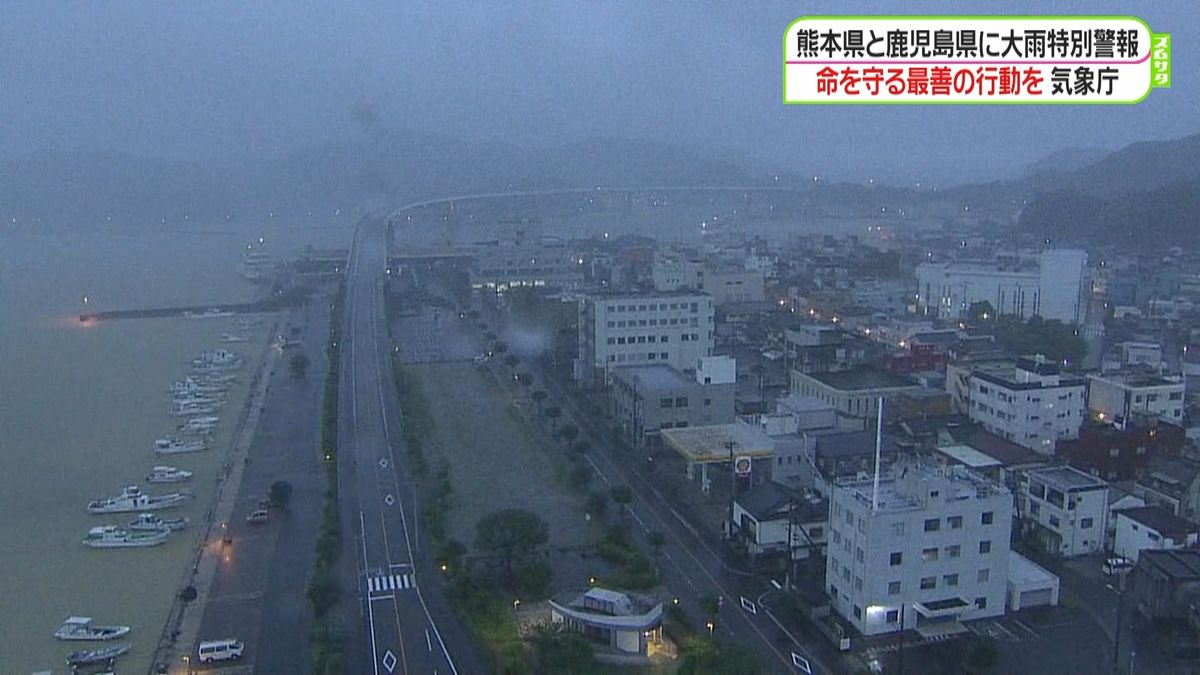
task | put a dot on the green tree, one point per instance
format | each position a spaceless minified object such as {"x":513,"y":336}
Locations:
{"x":510,"y":534}
{"x":298,"y":366}
{"x":569,"y":432}
{"x":554,"y":412}
{"x":597,"y":504}
{"x":539,"y":397}
{"x":279,"y":493}
{"x":563,"y":651}
{"x":656,"y":540}
{"x":621,"y":495}
{"x":981,"y":311}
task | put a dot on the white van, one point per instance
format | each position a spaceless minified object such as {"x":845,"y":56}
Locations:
{"x":220,"y":650}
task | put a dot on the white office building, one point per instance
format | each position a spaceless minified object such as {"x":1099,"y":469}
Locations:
{"x":1052,"y":285}
{"x":1033,"y":404}
{"x":1117,"y":396}
{"x":674,"y":329}
{"x":926,"y":550}
{"x":1066,"y":508}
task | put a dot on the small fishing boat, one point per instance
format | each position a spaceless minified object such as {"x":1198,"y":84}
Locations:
{"x":90,"y":656}
{"x":111,"y":536}
{"x":133,"y":499}
{"x":174,"y":446}
{"x":150,"y":522}
{"x":168,"y":474}
{"x":81,"y":628}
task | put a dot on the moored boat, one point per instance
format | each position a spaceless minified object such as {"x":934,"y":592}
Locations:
{"x":199,"y":426}
{"x":174,"y":446}
{"x":151,"y":522}
{"x":111,"y":536}
{"x":81,"y":628}
{"x":210,"y":313}
{"x":168,"y":474}
{"x":133,"y":499}
{"x":90,"y":656}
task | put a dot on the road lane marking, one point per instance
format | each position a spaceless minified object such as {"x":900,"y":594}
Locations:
{"x":389,"y":661}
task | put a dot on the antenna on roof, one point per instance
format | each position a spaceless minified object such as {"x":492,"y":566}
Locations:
{"x":878,"y":453}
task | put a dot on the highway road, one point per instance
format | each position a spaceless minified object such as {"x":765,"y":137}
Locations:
{"x":377,"y":493}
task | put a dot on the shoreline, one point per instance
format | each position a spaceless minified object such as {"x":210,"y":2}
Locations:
{"x":179,"y":633}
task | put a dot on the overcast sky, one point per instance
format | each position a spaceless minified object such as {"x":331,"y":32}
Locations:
{"x":256,"y":78}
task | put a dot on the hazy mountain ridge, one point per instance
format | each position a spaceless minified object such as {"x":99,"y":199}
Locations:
{"x":91,"y":186}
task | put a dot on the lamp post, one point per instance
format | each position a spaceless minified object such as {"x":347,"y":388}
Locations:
{"x":729,"y":445}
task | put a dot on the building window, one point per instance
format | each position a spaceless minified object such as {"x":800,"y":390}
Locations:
{"x":933,"y":525}
{"x":1054,"y":521}
{"x":983,"y":575}
{"x":929,"y":554}
{"x":859,"y":555}
{"x":666,"y":402}
{"x":893,"y":616}
{"x":898,"y":529}
{"x":857,"y":612}
{"x":707,"y":402}
{"x":1085,"y":523}
{"x":894,"y":588}
{"x":663,"y":356}
{"x":612,"y":341}
{"x":950,"y":580}
{"x":681,"y":402}
{"x":928,"y":583}
{"x":664,"y":339}
{"x":981,"y":603}
{"x":953,"y":551}
{"x":1034,"y":508}
{"x":986,"y":518}
{"x":858,"y":583}
{"x":985,"y":546}
{"x":896,"y":558}
{"x":813,"y":532}
{"x":837,"y":537}
{"x":955,"y":522}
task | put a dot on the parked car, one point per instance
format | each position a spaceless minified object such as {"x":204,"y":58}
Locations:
{"x":258,"y":517}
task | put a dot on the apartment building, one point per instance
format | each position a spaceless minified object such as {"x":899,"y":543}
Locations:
{"x":1065,"y":509}
{"x":1118,"y":396}
{"x":1033,"y":404}
{"x":646,"y":399}
{"x":617,"y":330}
{"x":854,"y":392}
{"x":931,"y":545}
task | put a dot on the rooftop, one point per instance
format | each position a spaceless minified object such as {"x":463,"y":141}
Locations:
{"x":1024,"y":571}
{"x":658,"y":377}
{"x":1066,"y":478}
{"x":1137,"y":380}
{"x":1161,"y":520}
{"x":1005,"y":451}
{"x":860,"y":379}
{"x":770,"y":499}
{"x":854,"y":443}
{"x":915,"y":486}
{"x":711,"y":443}
{"x":604,"y":296}
{"x":969,"y":456}
{"x":1184,"y":564}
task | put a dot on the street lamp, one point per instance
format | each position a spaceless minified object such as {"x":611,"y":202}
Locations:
{"x":710,"y":626}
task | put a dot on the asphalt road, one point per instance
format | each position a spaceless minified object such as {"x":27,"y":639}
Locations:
{"x":408,"y":625}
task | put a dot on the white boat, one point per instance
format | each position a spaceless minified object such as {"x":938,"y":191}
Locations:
{"x":168,"y":474}
{"x":192,"y":385}
{"x":199,"y":426}
{"x":217,"y":359}
{"x":190,"y":407}
{"x":111,"y":536}
{"x":133,"y":499}
{"x":92,"y":656}
{"x":175,"y":446}
{"x":81,"y":628}
{"x":233,"y":338}
{"x":151,"y":522}
{"x":256,"y":262}
{"x":210,"y":313}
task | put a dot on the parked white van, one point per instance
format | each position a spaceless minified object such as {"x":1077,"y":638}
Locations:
{"x":220,"y":650}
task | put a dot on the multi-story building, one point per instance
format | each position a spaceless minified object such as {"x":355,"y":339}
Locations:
{"x":929,"y":545}
{"x":1033,"y":405}
{"x":854,"y":392}
{"x":1052,"y":286}
{"x":522,"y":256}
{"x":638,"y":329}
{"x":1151,"y":528}
{"x":645,"y":399}
{"x":726,"y":283}
{"x":1065,"y":509}
{"x":1117,"y":396}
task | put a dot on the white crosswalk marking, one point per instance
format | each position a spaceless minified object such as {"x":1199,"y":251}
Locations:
{"x":383,"y":583}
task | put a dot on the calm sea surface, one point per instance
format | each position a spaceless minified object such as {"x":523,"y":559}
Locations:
{"x":80,"y":408}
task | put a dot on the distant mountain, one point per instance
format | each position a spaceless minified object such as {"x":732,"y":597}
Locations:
{"x":1065,"y":160}
{"x":1144,"y":195}
{"x":86,"y":187}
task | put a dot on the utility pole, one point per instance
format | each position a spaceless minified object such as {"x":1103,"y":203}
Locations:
{"x":1117,"y":633}
{"x":729,"y":445}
